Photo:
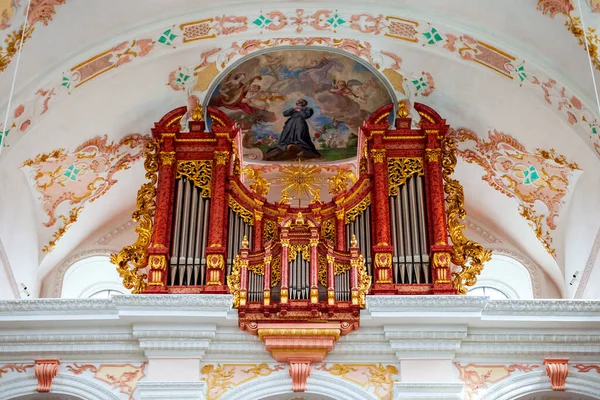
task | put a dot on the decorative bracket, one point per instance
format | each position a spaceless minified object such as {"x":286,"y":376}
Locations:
{"x":299,"y":346}
{"x":45,"y":371}
{"x":557,"y":370}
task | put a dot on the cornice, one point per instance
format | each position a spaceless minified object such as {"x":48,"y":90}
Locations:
{"x":184,"y":302}
{"x":546,"y":307}
{"x":50,"y":306}
{"x":425,"y":303}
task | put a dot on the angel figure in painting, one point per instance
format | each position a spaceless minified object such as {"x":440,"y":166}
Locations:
{"x":295,"y":141}
{"x":234,"y":90}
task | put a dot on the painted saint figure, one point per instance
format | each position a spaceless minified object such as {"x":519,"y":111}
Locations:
{"x":295,"y":141}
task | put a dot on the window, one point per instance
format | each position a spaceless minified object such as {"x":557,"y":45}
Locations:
{"x":503,"y":277}
{"x":93,"y":277}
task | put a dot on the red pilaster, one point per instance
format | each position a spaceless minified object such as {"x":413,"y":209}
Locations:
{"x":257,"y":233}
{"x":158,"y":252}
{"x":340,"y":229}
{"x":285,"y":278}
{"x":382,"y":250}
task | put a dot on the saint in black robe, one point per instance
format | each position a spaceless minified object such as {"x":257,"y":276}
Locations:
{"x":295,"y":138}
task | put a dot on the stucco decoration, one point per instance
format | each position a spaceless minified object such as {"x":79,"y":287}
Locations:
{"x":587,"y":39}
{"x":67,"y":181}
{"x":12,"y":20}
{"x":374,"y":378}
{"x":119,"y":376}
{"x":480,"y":376}
{"x":222,"y":377}
{"x":393,"y":29}
{"x":538,"y":179}
{"x":17,"y":368}
{"x":261,"y":93}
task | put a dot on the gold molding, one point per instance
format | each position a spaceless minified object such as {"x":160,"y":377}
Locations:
{"x":133,"y":258}
{"x":433,"y":155}
{"x":467,"y":254}
{"x":167,"y":157}
{"x":400,"y":169}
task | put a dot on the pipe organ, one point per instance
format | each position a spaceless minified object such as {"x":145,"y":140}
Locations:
{"x":203,"y":230}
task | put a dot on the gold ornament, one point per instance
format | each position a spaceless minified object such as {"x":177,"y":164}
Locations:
{"x":237,"y":208}
{"x":299,"y":248}
{"x":378,"y":155}
{"x":197,"y":171}
{"x":467,"y":254}
{"x":197,"y":114}
{"x":339,"y":182}
{"x":402,"y":109}
{"x":167,"y":157}
{"x":302,"y":179}
{"x":358,"y":209}
{"x":433,"y":155}
{"x":234,"y":281}
{"x":133,"y":258}
{"x":353,"y":241}
{"x":328,"y":229}
{"x":221,"y":157}
{"x":215,"y":261}
{"x":400,"y":169}
{"x":364,"y":281}
{"x":270,"y":229}
{"x":260,"y":185}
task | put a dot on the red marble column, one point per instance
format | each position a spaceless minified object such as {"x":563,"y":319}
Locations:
{"x":257,"y":232}
{"x":340,"y":230}
{"x":314,"y":266}
{"x":440,"y":249}
{"x":285,"y":278}
{"x":330,"y":279}
{"x":216,"y":250}
{"x":382,"y":250}
{"x":158,"y":251}
{"x":244,"y":272}
{"x":267,"y":276}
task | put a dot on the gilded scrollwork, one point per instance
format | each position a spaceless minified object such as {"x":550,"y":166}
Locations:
{"x":364,"y":281}
{"x":234,"y":281}
{"x":299,"y":248}
{"x":133,"y":258}
{"x":467,"y":254}
{"x":328,"y":230}
{"x":237,"y":208}
{"x":199,"y":172}
{"x":269,"y":230}
{"x":355,"y":211}
{"x":400,"y":169}
{"x":276,"y":270}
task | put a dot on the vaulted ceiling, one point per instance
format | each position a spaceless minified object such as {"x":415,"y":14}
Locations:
{"x":515,"y":79}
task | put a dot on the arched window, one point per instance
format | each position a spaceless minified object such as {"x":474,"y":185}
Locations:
{"x":503,"y":277}
{"x":93,"y":277}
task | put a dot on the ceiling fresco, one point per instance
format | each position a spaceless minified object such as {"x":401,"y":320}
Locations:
{"x":538,"y":180}
{"x":299,"y":104}
{"x":394,"y":29}
{"x":15,"y":31}
{"x":68,"y":180}
{"x":255,"y":64}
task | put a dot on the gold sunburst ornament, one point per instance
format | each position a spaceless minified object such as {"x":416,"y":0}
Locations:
{"x":303,"y":180}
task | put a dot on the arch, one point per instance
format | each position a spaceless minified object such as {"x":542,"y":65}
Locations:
{"x":62,"y":384}
{"x":508,"y":275}
{"x":534,"y":382}
{"x":59,"y":275}
{"x":217,"y":80}
{"x":277,"y":384}
{"x":528,"y":263}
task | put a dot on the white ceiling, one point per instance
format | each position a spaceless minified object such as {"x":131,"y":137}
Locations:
{"x":130,"y":98}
